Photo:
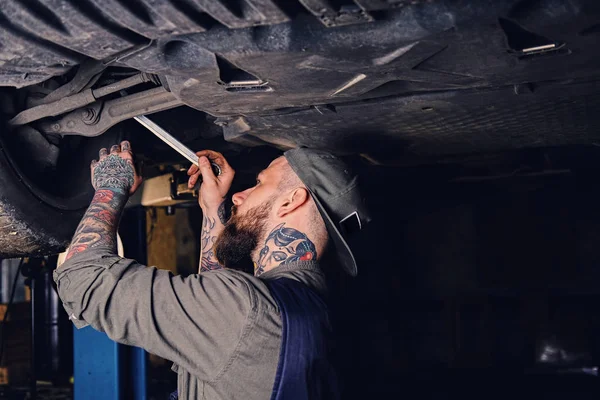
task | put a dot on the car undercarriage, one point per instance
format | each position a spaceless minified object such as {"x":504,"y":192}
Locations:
{"x":433,"y":78}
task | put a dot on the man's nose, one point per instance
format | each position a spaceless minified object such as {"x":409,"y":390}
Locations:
{"x":240,"y":197}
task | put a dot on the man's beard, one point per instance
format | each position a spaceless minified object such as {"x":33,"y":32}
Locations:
{"x":234,"y":246}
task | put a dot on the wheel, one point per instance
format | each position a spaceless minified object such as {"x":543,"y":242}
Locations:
{"x":44,"y":188}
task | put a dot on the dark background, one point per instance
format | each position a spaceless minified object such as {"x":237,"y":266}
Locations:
{"x":473,"y":287}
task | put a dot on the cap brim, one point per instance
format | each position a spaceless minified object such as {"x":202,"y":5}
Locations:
{"x":342,"y":249}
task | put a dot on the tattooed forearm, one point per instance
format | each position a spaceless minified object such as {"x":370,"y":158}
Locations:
{"x":284,"y":246}
{"x":211,"y":227}
{"x":98,"y":228}
{"x":114,"y":178}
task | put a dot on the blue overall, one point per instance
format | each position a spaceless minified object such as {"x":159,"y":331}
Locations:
{"x":304,"y":371}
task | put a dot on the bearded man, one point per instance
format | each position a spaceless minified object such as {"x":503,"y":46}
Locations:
{"x":231,"y":335}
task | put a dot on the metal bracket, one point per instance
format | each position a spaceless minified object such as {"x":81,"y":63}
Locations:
{"x":84,"y":75}
{"x":109,"y":113}
{"x":75,"y":101}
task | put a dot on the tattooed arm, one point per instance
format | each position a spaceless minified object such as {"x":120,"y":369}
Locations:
{"x":144,"y":306}
{"x":212,"y":226}
{"x":98,"y":228}
{"x":213,"y":192}
{"x":114,"y":178}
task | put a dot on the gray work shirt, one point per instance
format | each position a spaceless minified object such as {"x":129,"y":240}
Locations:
{"x":222,"y":329}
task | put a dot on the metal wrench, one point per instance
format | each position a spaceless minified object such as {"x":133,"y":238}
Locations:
{"x":174,"y":143}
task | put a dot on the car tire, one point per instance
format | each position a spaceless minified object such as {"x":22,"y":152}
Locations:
{"x":33,"y":223}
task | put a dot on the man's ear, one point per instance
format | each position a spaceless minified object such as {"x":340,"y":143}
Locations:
{"x":294,"y":199}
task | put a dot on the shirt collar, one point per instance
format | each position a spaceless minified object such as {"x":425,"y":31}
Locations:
{"x":294,"y":266}
{"x":307,"y":272}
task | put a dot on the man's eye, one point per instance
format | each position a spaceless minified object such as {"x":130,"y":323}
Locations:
{"x":258,"y":181}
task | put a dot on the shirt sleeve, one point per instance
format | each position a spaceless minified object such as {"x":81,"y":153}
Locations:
{"x":195,"y":321}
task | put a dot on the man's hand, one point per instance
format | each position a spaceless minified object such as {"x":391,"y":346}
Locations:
{"x":213,"y":192}
{"x":214,"y":189}
{"x":116,"y":170}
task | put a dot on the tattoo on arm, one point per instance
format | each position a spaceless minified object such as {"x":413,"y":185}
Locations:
{"x":211,"y":227}
{"x":112,"y":178}
{"x":98,"y":228}
{"x":284,"y":246}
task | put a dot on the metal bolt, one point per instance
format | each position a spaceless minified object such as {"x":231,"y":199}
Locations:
{"x":87,"y":113}
{"x":89,"y":116}
{"x":56,"y":127}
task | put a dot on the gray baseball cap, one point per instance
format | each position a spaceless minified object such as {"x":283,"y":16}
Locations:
{"x":334,"y":188}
